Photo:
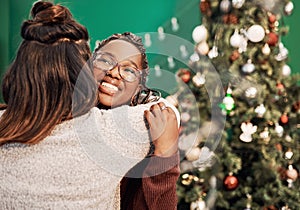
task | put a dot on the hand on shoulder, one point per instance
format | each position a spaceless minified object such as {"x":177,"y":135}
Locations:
{"x":163,"y":125}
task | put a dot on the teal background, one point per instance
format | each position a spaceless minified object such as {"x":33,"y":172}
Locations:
{"x":105,"y":17}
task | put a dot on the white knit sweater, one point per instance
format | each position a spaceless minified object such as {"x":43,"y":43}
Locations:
{"x":79,"y":166}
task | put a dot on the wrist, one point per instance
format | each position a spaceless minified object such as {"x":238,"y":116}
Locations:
{"x":166,"y":153}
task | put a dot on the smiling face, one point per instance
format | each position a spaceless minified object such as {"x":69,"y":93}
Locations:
{"x":113,"y":89}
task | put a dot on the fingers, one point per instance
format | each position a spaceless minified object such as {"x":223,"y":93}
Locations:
{"x":155,"y":110}
{"x":162,"y":106}
{"x":159,"y":112}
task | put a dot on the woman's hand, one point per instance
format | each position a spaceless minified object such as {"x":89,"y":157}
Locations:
{"x":163,"y":129}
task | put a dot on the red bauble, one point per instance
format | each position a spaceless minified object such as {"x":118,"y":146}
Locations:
{"x":284,"y":118}
{"x":272,"y":39}
{"x":270,"y":208}
{"x":234,"y":55}
{"x":230,"y":19}
{"x":272,"y":18}
{"x":231,"y":182}
{"x":296,"y":107}
{"x":278,"y":147}
{"x":280,"y":88}
{"x":205,"y":7}
{"x":184,"y":74}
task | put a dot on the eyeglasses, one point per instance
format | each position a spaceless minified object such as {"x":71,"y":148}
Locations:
{"x":106,"y":62}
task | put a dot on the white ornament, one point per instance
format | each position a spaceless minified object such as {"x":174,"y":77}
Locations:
{"x":244,"y":43}
{"x":194,"y":57}
{"x":279,"y":130}
{"x":174,"y":23}
{"x":157,"y":70}
{"x":283,"y":53}
{"x":248,"y":129}
{"x":203,"y":48}
{"x":288,"y":138}
{"x":266,"y":49}
{"x":199,"y":34}
{"x":161,"y":33}
{"x":255,"y":33}
{"x":193,"y":154}
{"x":198,"y":205}
{"x":171,"y":62}
{"x":183,"y":51}
{"x":288,"y":9}
{"x":237,"y":3}
{"x":285,"y":208}
{"x":213,"y":53}
{"x":235,"y":39}
{"x":249,"y":67}
{"x":265,"y":135}
{"x":147,"y":40}
{"x":199,"y":79}
{"x":225,"y":6}
{"x":260,"y":110}
{"x":186,"y":142}
{"x":286,"y":70}
{"x":251,"y":92}
{"x":288,"y":154}
{"x":185,"y":117}
{"x":228,"y":102}
{"x":205,"y":159}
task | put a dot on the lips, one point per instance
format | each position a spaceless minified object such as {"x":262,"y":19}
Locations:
{"x":108,"y":88}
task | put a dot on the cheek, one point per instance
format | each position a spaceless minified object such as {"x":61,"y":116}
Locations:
{"x":130,"y":90}
{"x":98,"y":74}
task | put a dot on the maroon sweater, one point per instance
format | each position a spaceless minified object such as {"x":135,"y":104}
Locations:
{"x":157,"y":190}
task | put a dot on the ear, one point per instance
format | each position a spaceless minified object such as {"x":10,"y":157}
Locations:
{"x":136,"y":95}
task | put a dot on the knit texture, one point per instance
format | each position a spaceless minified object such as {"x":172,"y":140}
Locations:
{"x":155,"y":192}
{"x":79,"y":166}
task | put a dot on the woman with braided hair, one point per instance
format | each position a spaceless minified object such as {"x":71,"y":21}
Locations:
{"x":121,"y":69}
{"x":57,"y":150}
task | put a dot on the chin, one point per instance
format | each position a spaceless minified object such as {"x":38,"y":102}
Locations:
{"x":104,"y":100}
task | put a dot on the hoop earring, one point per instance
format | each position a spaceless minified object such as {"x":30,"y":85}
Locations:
{"x":145,"y":95}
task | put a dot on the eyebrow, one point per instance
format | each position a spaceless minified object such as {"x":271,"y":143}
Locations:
{"x":132,"y":62}
{"x":112,"y":55}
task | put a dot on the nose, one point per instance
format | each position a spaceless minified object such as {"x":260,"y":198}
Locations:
{"x":114,"y":73}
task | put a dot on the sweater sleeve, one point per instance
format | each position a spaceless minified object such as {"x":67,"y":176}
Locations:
{"x":157,"y":189}
{"x":115,"y":139}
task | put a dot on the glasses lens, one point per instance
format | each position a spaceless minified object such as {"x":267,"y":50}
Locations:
{"x":129,"y":73}
{"x":104,"y":62}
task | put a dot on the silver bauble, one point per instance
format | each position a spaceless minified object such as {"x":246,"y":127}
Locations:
{"x":238,"y":3}
{"x":251,"y":92}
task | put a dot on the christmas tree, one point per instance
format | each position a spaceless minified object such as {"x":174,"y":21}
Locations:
{"x":246,"y":153}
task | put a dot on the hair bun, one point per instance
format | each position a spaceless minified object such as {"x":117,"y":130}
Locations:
{"x":47,"y":12}
{"x":51,"y":23}
{"x":40,"y":6}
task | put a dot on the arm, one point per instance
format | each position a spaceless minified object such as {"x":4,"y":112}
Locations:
{"x":157,"y":189}
{"x":152,"y":192}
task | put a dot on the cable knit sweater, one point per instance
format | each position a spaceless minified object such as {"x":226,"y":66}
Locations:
{"x":79,"y":166}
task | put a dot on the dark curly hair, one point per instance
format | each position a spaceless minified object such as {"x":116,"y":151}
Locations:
{"x":146,"y":94}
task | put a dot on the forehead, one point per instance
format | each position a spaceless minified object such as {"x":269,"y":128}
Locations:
{"x":122,"y":50}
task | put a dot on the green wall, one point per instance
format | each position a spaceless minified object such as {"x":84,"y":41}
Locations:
{"x":104,"y":17}
{"x":4,"y":36}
